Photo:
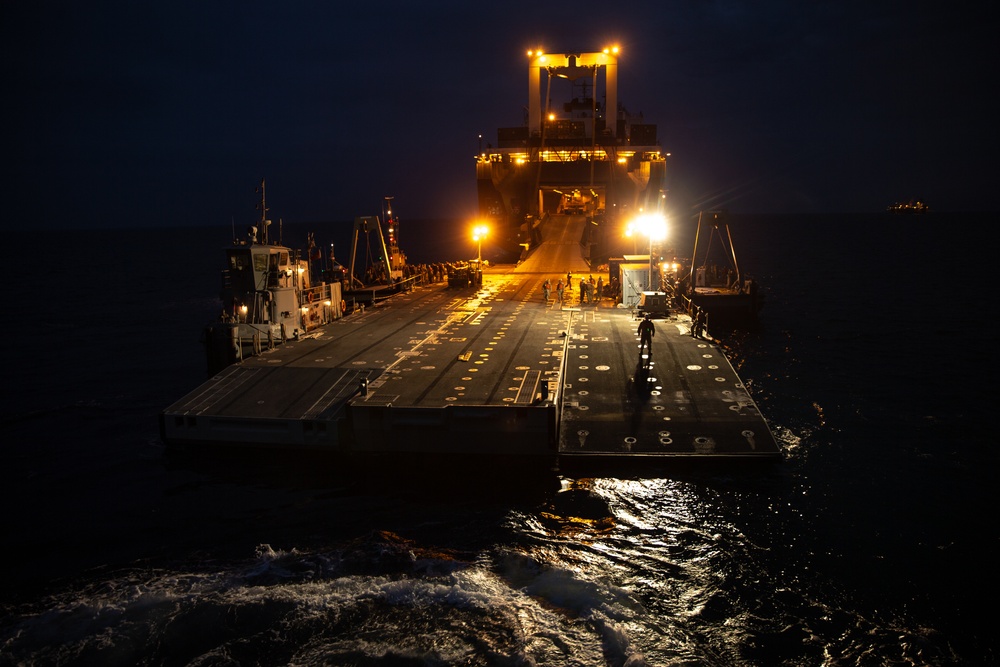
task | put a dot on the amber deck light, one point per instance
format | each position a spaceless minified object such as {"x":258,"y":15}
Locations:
{"x":479,"y":232}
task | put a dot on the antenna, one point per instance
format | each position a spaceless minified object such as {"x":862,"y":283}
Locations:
{"x":262,"y":207}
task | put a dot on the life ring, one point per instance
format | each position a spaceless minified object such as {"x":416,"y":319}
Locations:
{"x":309,"y":297}
{"x":343,"y":306}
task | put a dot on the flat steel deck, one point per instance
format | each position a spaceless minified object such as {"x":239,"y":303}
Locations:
{"x":494,"y":371}
{"x":488,"y":371}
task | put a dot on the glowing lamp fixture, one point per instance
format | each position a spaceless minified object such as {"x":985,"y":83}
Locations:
{"x":479,"y":232}
{"x":652,"y":225}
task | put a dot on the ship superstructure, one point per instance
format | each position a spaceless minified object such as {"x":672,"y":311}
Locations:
{"x":262,"y":284}
{"x":585,"y":156}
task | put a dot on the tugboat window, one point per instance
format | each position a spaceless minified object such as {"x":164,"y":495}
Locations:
{"x":272,"y":274}
{"x":239,"y":261}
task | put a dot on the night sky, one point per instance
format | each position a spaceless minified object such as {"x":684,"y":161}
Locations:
{"x":152,"y":114}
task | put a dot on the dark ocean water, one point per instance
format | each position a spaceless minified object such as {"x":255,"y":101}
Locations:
{"x":872,"y":544}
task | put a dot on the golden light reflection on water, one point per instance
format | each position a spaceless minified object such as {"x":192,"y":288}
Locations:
{"x":661,"y":549}
{"x":669,"y":523}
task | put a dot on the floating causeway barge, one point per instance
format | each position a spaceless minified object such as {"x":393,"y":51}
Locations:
{"x":490,"y":371}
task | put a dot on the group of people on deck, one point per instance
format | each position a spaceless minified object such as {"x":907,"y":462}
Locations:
{"x":591,"y":290}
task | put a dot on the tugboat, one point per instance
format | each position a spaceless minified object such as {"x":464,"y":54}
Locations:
{"x":584,"y":157}
{"x":267,"y":297}
{"x":716,"y":288}
{"x":385,"y":277}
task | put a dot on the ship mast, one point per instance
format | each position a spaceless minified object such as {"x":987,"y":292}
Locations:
{"x":262,"y":207}
{"x":389,"y":222}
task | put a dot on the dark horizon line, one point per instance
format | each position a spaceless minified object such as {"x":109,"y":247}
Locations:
{"x":242,"y":226}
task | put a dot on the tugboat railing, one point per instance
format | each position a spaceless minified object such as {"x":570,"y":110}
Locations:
{"x":317,"y":293}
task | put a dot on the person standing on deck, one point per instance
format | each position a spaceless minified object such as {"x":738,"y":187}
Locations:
{"x":699,"y":322}
{"x":646,"y":332}
{"x":559,"y":291}
{"x":600,"y":289}
{"x":545,"y":291}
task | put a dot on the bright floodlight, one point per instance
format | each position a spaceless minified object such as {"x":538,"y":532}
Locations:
{"x":652,"y":226}
{"x":479,"y":232}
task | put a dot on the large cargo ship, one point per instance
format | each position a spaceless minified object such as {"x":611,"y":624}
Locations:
{"x":585,"y":156}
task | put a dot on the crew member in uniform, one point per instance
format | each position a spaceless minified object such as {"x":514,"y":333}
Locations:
{"x":646,"y":332}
